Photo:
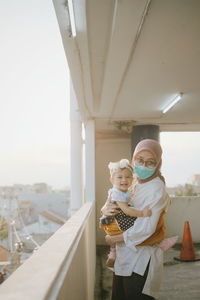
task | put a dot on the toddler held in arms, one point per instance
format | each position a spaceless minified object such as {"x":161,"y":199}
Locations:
{"x":121,"y":177}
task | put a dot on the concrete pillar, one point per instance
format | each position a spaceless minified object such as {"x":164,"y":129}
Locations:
{"x":90,"y":161}
{"x":76,"y":155}
{"x":141,"y":132}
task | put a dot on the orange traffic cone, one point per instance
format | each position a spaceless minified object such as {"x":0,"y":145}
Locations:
{"x":187,"y":251}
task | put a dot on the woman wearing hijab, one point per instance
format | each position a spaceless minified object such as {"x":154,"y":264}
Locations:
{"x":139,"y":258}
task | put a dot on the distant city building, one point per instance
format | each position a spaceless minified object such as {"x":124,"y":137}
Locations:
{"x":4,"y":253}
{"x":33,"y":213}
{"x":46,"y":201}
{"x":41,"y":188}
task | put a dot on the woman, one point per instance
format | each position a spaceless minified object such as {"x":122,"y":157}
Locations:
{"x":139,"y":259}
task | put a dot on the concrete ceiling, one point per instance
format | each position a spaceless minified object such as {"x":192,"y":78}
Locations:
{"x":131,"y":57}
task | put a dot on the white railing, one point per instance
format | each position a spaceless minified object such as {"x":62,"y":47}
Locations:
{"x":63,"y":267}
{"x":184,"y":209}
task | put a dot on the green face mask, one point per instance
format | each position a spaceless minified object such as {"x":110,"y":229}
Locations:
{"x":143,"y":172}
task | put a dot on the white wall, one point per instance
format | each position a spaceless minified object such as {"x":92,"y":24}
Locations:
{"x":107,"y":150}
{"x":184,"y":209}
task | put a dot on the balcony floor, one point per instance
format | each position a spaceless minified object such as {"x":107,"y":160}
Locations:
{"x":180,"y":281}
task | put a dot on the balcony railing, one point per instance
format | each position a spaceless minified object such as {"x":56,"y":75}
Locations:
{"x":63,"y":267}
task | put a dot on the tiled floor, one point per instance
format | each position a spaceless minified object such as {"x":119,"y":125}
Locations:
{"x":181,"y":280}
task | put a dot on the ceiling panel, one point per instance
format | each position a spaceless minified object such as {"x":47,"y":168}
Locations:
{"x":131,"y":57}
{"x":166,"y":61}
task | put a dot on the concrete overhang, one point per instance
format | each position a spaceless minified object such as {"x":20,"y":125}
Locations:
{"x":130,"y":58}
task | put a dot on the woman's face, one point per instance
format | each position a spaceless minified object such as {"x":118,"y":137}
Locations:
{"x":146,"y":158}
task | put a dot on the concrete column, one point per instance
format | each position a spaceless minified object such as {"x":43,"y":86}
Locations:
{"x":142,"y":132}
{"x":76,"y":156}
{"x":90,"y":161}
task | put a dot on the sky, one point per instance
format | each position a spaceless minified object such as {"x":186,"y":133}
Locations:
{"x":181,"y":156}
{"x":34,"y":104}
{"x":34,"y":97}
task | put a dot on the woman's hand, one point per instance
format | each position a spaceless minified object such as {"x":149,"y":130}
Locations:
{"x":113,"y":239}
{"x":109,"y":240}
{"x":109,"y":209}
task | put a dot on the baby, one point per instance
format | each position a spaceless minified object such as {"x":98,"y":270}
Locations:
{"x":121,"y":177}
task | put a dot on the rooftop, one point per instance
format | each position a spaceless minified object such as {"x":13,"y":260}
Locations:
{"x":180,"y":279}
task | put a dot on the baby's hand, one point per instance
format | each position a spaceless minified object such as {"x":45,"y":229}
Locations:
{"x":147,"y":212}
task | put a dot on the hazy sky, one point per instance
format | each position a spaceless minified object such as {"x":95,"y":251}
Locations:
{"x":34,"y":112}
{"x":181,"y":156}
{"x":33,"y":95}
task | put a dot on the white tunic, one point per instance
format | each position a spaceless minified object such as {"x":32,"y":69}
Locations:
{"x":131,"y":258}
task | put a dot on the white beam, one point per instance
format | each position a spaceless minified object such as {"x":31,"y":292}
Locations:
{"x":90,"y":161}
{"x":76,"y":147}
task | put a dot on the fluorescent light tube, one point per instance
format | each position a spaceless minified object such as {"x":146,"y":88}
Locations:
{"x":172,"y":103}
{"x":72,"y":19}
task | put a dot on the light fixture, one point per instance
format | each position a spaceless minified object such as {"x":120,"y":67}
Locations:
{"x":175,"y":100}
{"x":71,"y":17}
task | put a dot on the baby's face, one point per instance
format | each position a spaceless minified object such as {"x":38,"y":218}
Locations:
{"x":122,"y":180}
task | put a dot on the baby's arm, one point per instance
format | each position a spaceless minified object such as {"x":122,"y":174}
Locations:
{"x":133,"y":212}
